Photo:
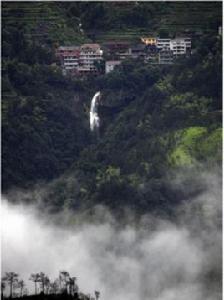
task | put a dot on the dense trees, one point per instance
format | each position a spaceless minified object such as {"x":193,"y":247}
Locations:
{"x":44,"y":125}
{"x":153,"y":118}
{"x":153,"y":121}
{"x":153,"y":16}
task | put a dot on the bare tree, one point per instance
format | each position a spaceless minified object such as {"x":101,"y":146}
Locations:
{"x":2,"y":288}
{"x":44,"y":280}
{"x":64,"y":280}
{"x":54,"y":287}
{"x":47,"y":284}
{"x":11,"y":278}
{"x":35,"y":277}
{"x":97,"y":294}
{"x":21,"y":285}
{"x":72,"y":285}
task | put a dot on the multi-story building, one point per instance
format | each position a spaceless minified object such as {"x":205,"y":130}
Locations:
{"x":188,"y":43}
{"x":138,"y":51}
{"x":117,"y":50}
{"x":82,"y":60}
{"x":90,"y":54}
{"x":110,"y":65}
{"x":69,"y":58}
{"x":163,"y":43}
{"x":88,"y":58}
{"x":179,"y":46}
{"x":165,"y":56}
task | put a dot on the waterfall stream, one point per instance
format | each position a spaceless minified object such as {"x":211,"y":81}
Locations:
{"x":94,"y":117}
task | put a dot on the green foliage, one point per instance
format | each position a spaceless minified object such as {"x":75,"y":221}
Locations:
{"x":44,"y":129}
{"x":153,"y":117}
{"x":131,"y":19}
{"x":187,"y":139}
{"x":110,"y":174}
{"x":210,"y":147}
{"x":196,"y":144}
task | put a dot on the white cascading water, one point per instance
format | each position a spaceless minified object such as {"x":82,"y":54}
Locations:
{"x":94,"y":117}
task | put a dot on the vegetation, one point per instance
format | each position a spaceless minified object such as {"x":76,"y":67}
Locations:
{"x":11,"y":278}
{"x":103,"y":20}
{"x":62,"y":287}
{"x":155,"y":119}
{"x":44,"y":127}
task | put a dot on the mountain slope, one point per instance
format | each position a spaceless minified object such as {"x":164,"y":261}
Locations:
{"x":155,"y":119}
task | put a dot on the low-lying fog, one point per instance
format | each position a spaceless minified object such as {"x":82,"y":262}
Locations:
{"x":156,"y":260}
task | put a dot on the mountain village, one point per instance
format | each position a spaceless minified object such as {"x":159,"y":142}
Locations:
{"x":96,"y":59}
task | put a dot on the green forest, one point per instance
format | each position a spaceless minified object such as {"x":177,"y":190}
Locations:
{"x":156,"y":119}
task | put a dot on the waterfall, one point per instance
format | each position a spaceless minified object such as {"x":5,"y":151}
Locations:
{"x":94,"y":117}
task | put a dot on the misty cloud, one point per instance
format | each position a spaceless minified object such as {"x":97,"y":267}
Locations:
{"x":156,"y":259}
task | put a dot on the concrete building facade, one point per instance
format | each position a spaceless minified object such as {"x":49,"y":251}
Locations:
{"x":138,"y":51}
{"x":110,"y":65}
{"x":89,"y":55}
{"x":163,"y":43}
{"x":69,"y":57}
{"x":88,"y":58}
{"x":166,"y":56}
{"x":75,"y":59}
{"x":179,"y":46}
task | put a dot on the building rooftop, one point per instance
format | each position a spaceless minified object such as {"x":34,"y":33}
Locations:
{"x":117,"y":45}
{"x":91,"y":46}
{"x":113,"y":62}
{"x":138,"y":47}
{"x":66,"y":48}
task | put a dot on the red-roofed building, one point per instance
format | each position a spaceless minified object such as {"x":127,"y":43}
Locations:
{"x":69,"y":58}
{"x":79,"y":60}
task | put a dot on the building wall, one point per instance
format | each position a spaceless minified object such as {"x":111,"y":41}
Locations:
{"x":110,"y":65}
{"x":179,"y":46}
{"x":79,"y":59}
{"x":75,"y":59}
{"x":88,"y":56}
{"x":163,"y":43}
{"x":165,"y":57}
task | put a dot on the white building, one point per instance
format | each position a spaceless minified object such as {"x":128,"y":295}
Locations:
{"x":111,"y":64}
{"x":188,"y":43}
{"x":89,"y":55}
{"x":179,"y":46}
{"x":163,"y":43}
